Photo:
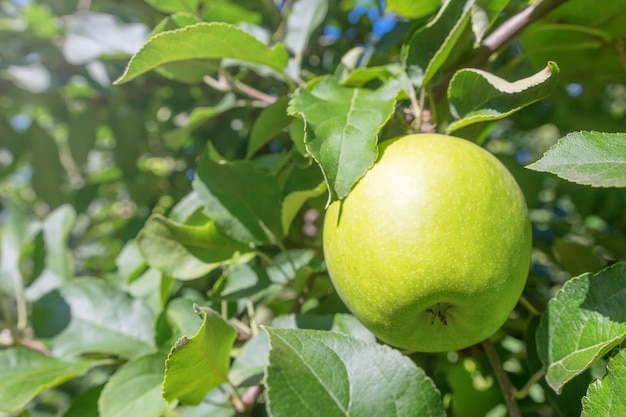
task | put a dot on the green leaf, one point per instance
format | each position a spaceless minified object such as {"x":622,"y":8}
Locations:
{"x":270,"y":123}
{"x":177,"y":138}
{"x":186,"y":252}
{"x":484,"y":13}
{"x":243,"y":200}
{"x":326,"y":374}
{"x":345,"y":123}
{"x":305,"y":17}
{"x":412,"y":9}
{"x":130,"y":262}
{"x":59,"y":266}
{"x":478,"y":96}
{"x":198,"y":364}
{"x":242,"y":281}
{"x":135,"y":389}
{"x":48,"y":172}
{"x":85,"y":404}
{"x":213,"y":40}
{"x":89,"y":316}
{"x":171,"y":6}
{"x":286,"y":265}
{"x":430,"y":46}
{"x":18,"y":230}
{"x":27,"y":373}
{"x":294,"y":201}
{"x":605,"y":397}
{"x":590,"y":158}
{"x":583,"y":322}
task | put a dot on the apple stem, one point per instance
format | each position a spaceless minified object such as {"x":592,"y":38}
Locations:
{"x":507,"y":388}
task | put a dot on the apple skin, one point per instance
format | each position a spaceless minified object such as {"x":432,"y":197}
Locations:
{"x":431,"y":248}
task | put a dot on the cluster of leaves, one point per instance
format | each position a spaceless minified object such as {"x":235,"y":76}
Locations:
{"x":172,"y":262}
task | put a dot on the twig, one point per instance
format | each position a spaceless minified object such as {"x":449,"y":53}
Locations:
{"x":528,"y":306}
{"x":522,"y":393}
{"x":519,"y":21}
{"x":224,"y":84}
{"x":508,"y":391}
{"x":253,"y":92}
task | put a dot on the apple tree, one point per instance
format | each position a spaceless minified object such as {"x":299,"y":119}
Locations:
{"x":165,"y":170}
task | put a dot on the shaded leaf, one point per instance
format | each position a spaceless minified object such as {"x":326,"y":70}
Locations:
{"x":177,"y":138}
{"x":606,"y":397}
{"x":294,"y":201}
{"x":332,"y":375}
{"x":430,"y":46}
{"x":59,"y":266}
{"x":186,"y":252}
{"x":345,"y":123}
{"x":272,"y":120}
{"x":478,"y":96}
{"x":198,"y":364}
{"x":85,"y":404}
{"x":590,"y":158}
{"x":171,"y":6}
{"x":304,"y":18}
{"x":583,"y":322}
{"x":412,"y":9}
{"x":213,"y":40}
{"x":135,"y":389}
{"x":243,"y":199}
{"x":89,"y":316}
{"x":26,"y":373}
{"x":484,"y":13}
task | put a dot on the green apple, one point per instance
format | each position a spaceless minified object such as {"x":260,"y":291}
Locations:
{"x":431,"y":248}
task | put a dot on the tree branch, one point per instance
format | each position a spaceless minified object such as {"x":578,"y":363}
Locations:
{"x":519,"y":21}
{"x":508,"y":391}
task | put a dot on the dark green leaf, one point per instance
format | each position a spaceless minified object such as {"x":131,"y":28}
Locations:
{"x":213,"y":40}
{"x":186,"y":252}
{"x":606,"y":397}
{"x":135,"y":389}
{"x":583,"y":322}
{"x":270,"y":122}
{"x":590,"y":158}
{"x":243,"y":200}
{"x":345,"y":122}
{"x":89,"y":316}
{"x":430,"y":46}
{"x":478,"y":96}
{"x":85,"y":404}
{"x":27,"y":373}
{"x":198,"y":364}
{"x":332,"y":375}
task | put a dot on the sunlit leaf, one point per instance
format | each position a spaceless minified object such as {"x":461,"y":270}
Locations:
{"x":200,"y":363}
{"x":605,"y":397}
{"x":91,"y":316}
{"x":345,"y":122}
{"x":333,"y":373}
{"x":135,"y":389}
{"x":203,"y":40}
{"x":430,"y":46}
{"x":583,"y":322}
{"x":26,"y":373}
{"x":478,"y":96}
{"x":412,"y":9}
{"x":590,"y":158}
